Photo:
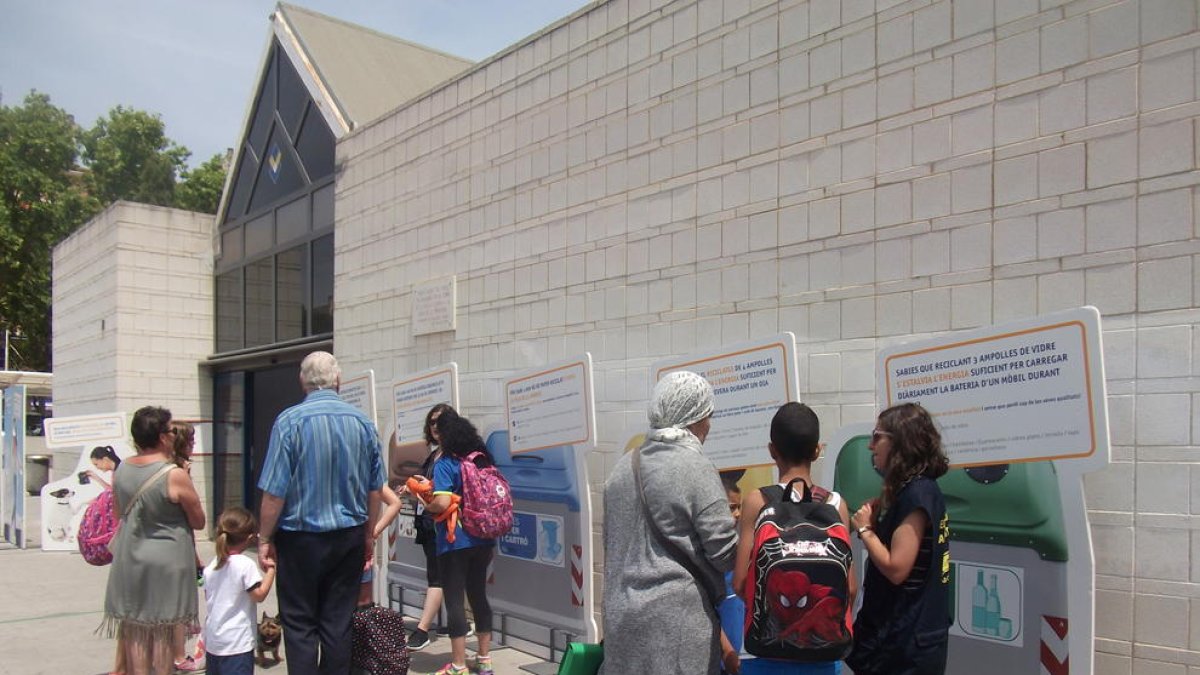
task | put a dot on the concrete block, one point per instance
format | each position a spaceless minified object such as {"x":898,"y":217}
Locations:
{"x":894,"y":39}
{"x":1159,"y":555}
{"x":1015,"y":240}
{"x":931,"y":196}
{"x":1167,"y":81}
{"x":893,"y":259}
{"x":1014,"y":298}
{"x":1163,"y":488}
{"x":1113,"y":29}
{"x":824,"y":218}
{"x":973,"y":16}
{"x":1160,"y":619}
{"x":825,"y":114}
{"x":893,"y":314}
{"x":1060,"y":233}
{"x":1165,"y":284}
{"x":971,"y":247}
{"x":894,"y":150}
{"x":972,"y":130}
{"x":1164,"y":216}
{"x":793,"y":275}
{"x":1164,"y":351}
{"x":971,"y":188}
{"x":1112,"y":95}
{"x":1018,"y":57}
{"x":1112,"y":159}
{"x":1113,"y":547}
{"x":931,"y":309}
{"x":931,"y":26}
{"x":858,"y":159}
{"x":1166,"y":18}
{"x":1016,"y":119}
{"x":1112,"y":289}
{"x":971,"y":305}
{"x":1063,"y":107}
{"x":893,"y":204}
{"x":825,"y":63}
{"x":1064,"y":43}
{"x":934,"y":82}
{"x":931,"y":140}
{"x":1061,"y":170}
{"x":1016,"y":180}
{"x":858,"y":317}
{"x":1061,"y":290}
{"x":1111,"y":225}
{"x":974,"y":69}
{"x":931,"y":253}
{"x":895,"y":94}
{"x":1163,"y":419}
{"x":858,"y":51}
{"x":1167,"y":148}
{"x":858,"y":211}
{"x":858,"y":105}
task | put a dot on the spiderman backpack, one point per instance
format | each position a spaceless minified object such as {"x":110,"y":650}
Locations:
{"x":799,"y":580}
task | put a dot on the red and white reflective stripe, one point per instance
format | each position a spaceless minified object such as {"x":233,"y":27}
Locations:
{"x":393,"y":533}
{"x":577,"y":575}
{"x":1056,"y":657}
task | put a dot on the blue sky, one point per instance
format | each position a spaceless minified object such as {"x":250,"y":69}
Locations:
{"x":194,"y":61}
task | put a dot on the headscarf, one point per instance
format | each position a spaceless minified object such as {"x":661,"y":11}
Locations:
{"x":680,"y":399}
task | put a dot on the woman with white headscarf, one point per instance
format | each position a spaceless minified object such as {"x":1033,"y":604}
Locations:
{"x":664,"y":562}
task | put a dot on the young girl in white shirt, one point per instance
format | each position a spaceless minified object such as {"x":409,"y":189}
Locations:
{"x":232,"y":586}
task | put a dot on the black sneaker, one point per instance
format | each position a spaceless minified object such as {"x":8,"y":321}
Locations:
{"x":445,"y":630}
{"x":418,"y":640}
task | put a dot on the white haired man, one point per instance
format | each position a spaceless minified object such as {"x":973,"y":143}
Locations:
{"x":320,"y":483}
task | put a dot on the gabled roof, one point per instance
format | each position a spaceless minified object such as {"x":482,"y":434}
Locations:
{"x":353,"y":74}
{"x":366,"y":73}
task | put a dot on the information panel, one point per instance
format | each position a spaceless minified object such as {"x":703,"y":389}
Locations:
{"x":750,"y":381}
{"x":65,"y":500}
{"x":12,"y":501}
{"x":551,"y":406}
{"x":413,"y":396}
{"x":433,"y":306}
{"x":359,"y":391}
{"x":1017,"y":392}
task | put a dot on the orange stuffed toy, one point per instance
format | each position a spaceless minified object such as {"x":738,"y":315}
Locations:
{"x":422,"y":489}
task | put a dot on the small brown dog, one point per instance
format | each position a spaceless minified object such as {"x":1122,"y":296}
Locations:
{"x":269,"y":635}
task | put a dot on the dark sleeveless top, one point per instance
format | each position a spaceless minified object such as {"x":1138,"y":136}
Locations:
{"x":904,"y":628}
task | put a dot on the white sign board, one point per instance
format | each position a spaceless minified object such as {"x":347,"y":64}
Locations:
{"x":67,"y":432}
{"x":433,"y":306}
{"x":359,"y":391}
{"x":65,"y":500}
{"x":415,"y":394}
{"x":551,"y":406}
{"x":1018,"y":392}
{"x":750,"y":381}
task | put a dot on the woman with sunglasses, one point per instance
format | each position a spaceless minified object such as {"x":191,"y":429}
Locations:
{"x":904,"y":623}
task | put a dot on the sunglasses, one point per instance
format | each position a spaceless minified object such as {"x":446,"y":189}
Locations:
{"x":877,"y":435}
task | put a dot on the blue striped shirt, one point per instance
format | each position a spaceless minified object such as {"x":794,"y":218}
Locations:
{"x":323,"y":459}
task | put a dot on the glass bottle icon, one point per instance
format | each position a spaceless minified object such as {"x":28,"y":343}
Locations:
{"x":979,"y":605}
{"x":993,"y":607}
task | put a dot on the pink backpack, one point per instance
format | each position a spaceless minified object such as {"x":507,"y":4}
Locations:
{"x":97,"y":528}
{"x":487,"y":507}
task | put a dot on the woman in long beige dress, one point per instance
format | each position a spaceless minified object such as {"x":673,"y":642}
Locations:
{"x":152,"y":582}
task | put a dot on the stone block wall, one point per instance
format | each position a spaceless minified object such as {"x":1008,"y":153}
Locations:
{"x":652,"y":178}
{"x":133,"y":316}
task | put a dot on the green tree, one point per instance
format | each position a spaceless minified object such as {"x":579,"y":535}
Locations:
{"x":40,"y":203}
{"x":129,"y":156}
{"x":200,"y":189}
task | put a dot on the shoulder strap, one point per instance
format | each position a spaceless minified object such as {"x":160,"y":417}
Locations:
{"x":146,"y":486}
{"x":671,"y":547}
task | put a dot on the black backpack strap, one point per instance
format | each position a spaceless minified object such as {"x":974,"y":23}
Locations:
{"x":669,"y":546}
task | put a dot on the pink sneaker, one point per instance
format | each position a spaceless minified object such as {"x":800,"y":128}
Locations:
{"x":190,"y":665}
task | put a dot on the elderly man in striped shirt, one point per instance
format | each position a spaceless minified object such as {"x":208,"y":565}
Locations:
{"x":320,"y":501}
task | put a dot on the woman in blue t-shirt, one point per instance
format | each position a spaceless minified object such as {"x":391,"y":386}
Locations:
{"x":904,"y":623}
{"x":462,"y":563}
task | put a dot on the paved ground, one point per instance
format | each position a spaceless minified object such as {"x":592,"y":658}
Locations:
{"x":51,"y":604}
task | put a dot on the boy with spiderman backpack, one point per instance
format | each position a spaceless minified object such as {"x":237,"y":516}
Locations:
{"x":794,"y":564}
